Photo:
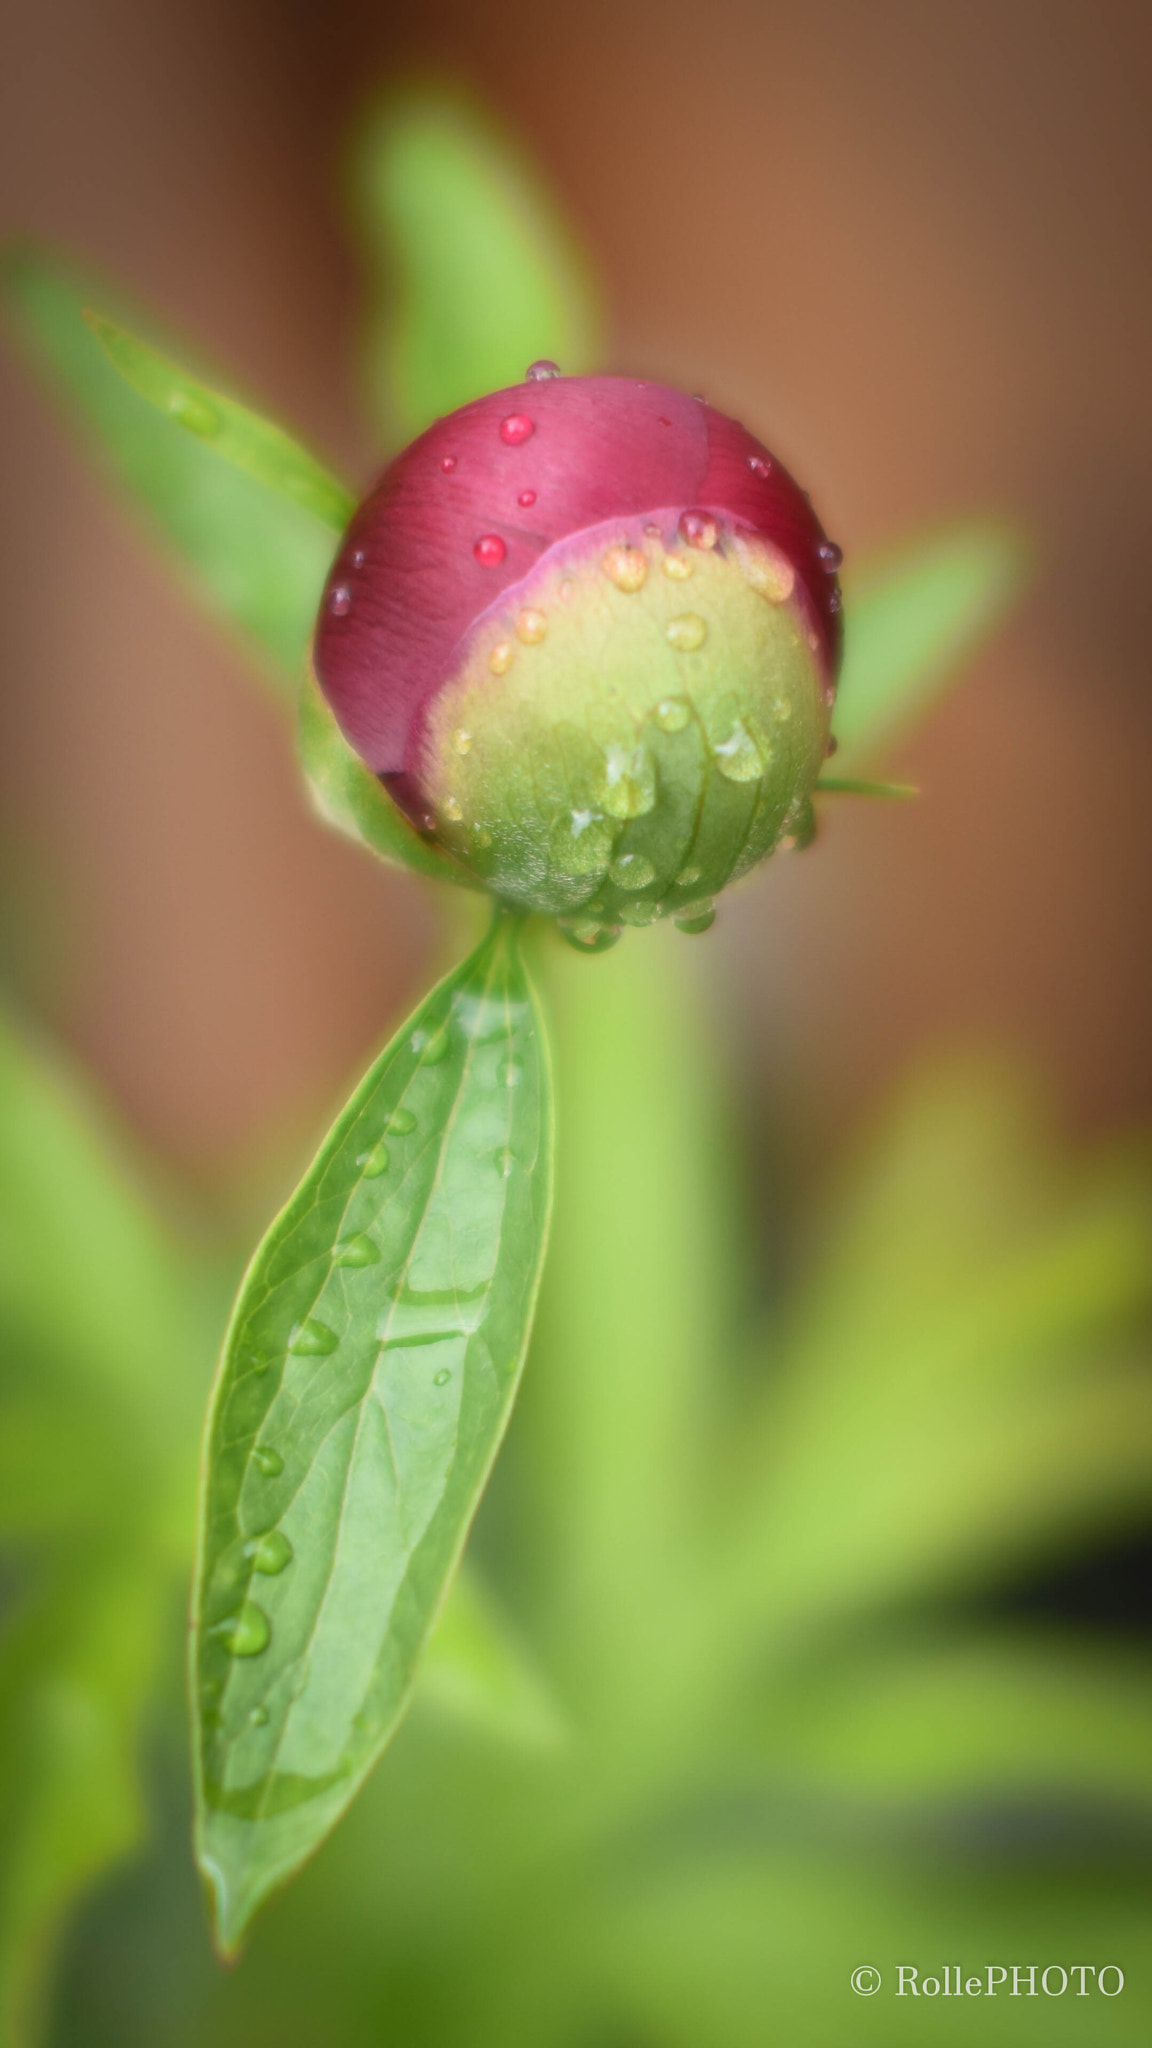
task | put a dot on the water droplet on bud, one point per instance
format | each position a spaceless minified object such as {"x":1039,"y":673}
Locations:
{"x":629,"y":786}
{"x":587,"y":936}
{"x":526,"y":498}
{"x":531,"y":626}
{"x":500,"y":659}
{"x":640,"y":913}
{"x":672,"y":714}
{"x":626,"y":567}
{"x":448,"y":463}
{"x":698,"y":529}
{"x":759,"y":465}
{"x":678,"y":567}
{"x":738,"y":757}
{"x":539,"y":372}
{"x":687,"y":877}
{"x":490,"y":550}
{"x":453,"y":809}
{"x":632,"y":871}
{"x":517,"y":429}
{"x":686,"y":633}
{"x":830,"y":555}
{"x":339,"y":600}
{"x":358,"y":558}
{"x":462,"y":741}
{"x":695,"y":917}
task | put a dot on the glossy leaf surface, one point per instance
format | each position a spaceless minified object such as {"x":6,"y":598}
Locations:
{"x":258,"y":556}
{"x":367,"y":1378}
{"x":910,"y":622}
{"x":476,"y":275}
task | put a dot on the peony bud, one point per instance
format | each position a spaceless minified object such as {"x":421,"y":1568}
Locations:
{"x":586,"y":632}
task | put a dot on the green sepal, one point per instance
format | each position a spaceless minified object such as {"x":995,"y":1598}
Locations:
{"x":349,"y":797}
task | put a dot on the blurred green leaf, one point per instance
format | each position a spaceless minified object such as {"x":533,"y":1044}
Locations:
{"x":258,"y":557}
{"x":478,"y":1670}
{"x":255,"y":445}
{"x":473,"y":275}
{"x":366,"y":1382}
{"x":966,"y":1377}
{"x":349,"y":797}
{"x":911,"y":621}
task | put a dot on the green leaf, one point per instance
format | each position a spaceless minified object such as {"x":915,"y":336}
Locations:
{"x":910,"y":623}
{"x":237,"y":435}
{"x":851,"y":785}
{"x":474,"y":275}
{"x":367,"y":1377}
{"x":349,"y":797}
{"x":258,"y":557}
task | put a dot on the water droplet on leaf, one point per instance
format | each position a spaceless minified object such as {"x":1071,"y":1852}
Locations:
{"x":270,"y":1553}
{"x":374,"y":1162}
{"x":441,"y":1378}
{"x":430,"y":1047}
{"x":247,"y":1633}
{"x":588,"y":936}
{"x":358,"y":1250}
{"x":267,"y":1461}
{"x":312,"y":1338}
{"x":259,"y":1717}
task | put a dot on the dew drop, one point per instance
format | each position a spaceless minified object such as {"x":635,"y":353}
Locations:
{"x":672,"y":714}
{"x":312,"y":1338}
{"x":662,"y":422}
{"x":481,"y":836}
{"x":531,"y":626}
{"x":270,"y":1553}
{"x":453,"y":809}
{"x":835,"y":601}
{"x":462,"y":741}
{"x":759,"y":465}
{"x":490,"y":550}
{"x":686,"y":633}
{"x":511,"y":1074}
{"x":195,"y":414}
{"x":738,"y":757}
{"x":698,"y":529}
{"x":441,"y":1378}
{"x":642,"y":912}
{"x":267,"y":1461}
{"x":358,"y":1250}
{"x":526,"y":498}
{"x":830,"y":555}
{"x":430,"y":1047}
{"x":678,"y":567}
{"x":259,"y":1717}
{"x":339,"y":600}
{"x":632,"y":871}
{"x":629,"y":786}
{"x":374,"y":1162}
{"x":358,"y":558}
{"x":505,"y":1162}
{"x":695,"y":917}
{"x":782,"y":709}
{"x":500,"y":659}
{"x":687,"y":877}
{"x":587,"y":935}
{"x":517,"y":429}
{"x":448,"y":463}
{"x":539,"y":372}
{"x":627,"y":568}
{"x":401,"y":1121}
{"x":831,"y":747}
{"x":246,"y":1633}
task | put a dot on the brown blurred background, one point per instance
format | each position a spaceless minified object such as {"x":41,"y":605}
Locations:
{"x":906,"y":242}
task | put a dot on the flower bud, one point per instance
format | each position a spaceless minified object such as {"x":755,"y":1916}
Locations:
{"x":586,"y":632}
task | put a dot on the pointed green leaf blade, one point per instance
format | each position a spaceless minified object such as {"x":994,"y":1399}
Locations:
{"x":476,"y":275}
{"x":910,"y":622}
{"x":235,"y":433}
{"x":367,"y":1378}
{"x":258,"y":557}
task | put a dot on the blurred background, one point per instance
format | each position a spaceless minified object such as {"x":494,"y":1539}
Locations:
{"x":907,"y":245}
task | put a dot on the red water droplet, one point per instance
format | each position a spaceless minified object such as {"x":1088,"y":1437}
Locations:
{"x":526,"y":498}
{"x":448,"y":462}
{"x":339,"y":599}
{"x":516,"y":429}
{"x":662,"y":422}
{"x":698,"y":529}
{"x":358,"y":558}
{"x":490,"y":550}
{"x":759,"y":465}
